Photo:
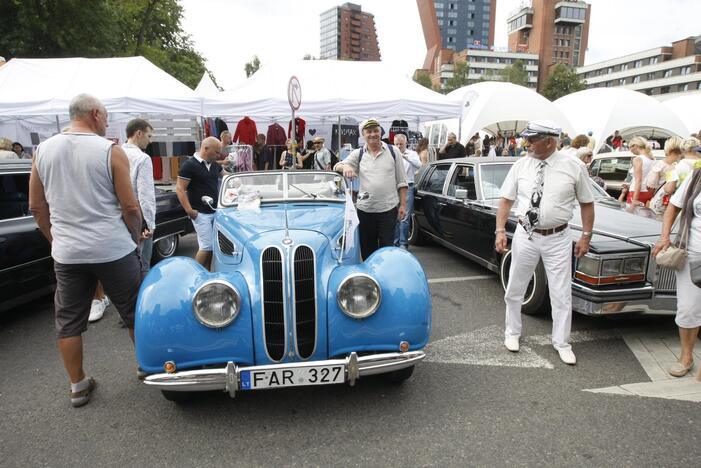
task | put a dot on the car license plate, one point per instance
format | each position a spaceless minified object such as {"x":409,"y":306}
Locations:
{"x":292,"y":377}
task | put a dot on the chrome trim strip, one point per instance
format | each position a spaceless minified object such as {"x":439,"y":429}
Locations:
{"x":228,"y":378}
{"x":294,"y":301}
{"x":168,"y":235}
{"x":471,"y":256}
{"x":14,"y":267}
{"x":612,"y":292}
{"x":262,"y":301}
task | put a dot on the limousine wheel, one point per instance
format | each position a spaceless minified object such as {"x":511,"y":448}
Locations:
{"x":536,"y":300}
{"x":415,"y":235}
{"x":177,"y":397}
{"x":399,"y":376}
{"x":165,"y":247}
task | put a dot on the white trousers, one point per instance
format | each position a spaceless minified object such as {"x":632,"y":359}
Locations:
{"x":556,"y":252}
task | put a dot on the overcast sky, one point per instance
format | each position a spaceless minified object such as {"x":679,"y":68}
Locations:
{"x":230,"y":32}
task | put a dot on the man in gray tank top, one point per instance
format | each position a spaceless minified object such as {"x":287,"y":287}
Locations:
{"x":81,"y":197}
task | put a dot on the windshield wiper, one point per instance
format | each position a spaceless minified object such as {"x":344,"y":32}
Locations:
{"x":313,"y":195}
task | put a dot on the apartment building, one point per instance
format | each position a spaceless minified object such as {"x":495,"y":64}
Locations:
{"x":348,"y":33}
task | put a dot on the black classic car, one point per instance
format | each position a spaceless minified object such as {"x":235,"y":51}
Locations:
{"x":455,"y":205}
{"x":26,"y":266}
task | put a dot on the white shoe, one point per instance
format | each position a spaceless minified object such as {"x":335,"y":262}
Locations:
{"x":106,"y":301}
{"x":567,"y":356}
{"x":511,"y":343}
{"x":97,"y":310}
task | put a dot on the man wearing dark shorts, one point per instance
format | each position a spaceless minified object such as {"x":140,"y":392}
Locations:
{"x":81,"y":196}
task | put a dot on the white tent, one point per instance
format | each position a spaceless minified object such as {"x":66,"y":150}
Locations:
{"x":496,"y":107}
{"x":45,"y":87}
{"x":605,"y":110}
{"x":330,"y":90}
{"x":686,"y":107}
{"x":206,"y":86}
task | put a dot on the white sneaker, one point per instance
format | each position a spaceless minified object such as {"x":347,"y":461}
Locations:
{"x":511,"y":343}
{"x":567,"y":356}
{"x":106,"y":301}
{"x":97,"y":310}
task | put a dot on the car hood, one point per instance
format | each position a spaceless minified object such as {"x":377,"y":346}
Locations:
{"x":618,"y":219}
{"x":246,"y":224}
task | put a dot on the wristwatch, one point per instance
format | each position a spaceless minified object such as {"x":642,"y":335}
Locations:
{"x":586,"y":233}
{"x":499,"y":230}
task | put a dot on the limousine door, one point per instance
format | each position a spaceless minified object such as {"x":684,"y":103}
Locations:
{"x":429,"y":200}
{"x":461,"y":214}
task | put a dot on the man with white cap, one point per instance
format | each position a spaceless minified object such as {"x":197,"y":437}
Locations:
{"x":383,"y":187}
{"x":545,"y":186}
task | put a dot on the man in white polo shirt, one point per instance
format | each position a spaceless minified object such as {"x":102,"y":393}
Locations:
{"x":545,"y":186}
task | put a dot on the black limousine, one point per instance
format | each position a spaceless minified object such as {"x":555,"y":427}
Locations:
{"x":455,"y":205}
{"x":26,"y":266}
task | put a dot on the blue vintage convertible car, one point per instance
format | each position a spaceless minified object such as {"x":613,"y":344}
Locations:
{"x":286,"y":303}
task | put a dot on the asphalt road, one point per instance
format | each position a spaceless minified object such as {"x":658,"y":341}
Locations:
{"x":448,"y":414}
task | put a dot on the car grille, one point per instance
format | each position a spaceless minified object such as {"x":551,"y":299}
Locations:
{"x":225,"y":245}
{"x":666,"y":281}
{"x":305,"y":303}
{"x":273,"y":303}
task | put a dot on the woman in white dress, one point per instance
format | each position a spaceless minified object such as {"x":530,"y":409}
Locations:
{"x":688,"y":316}
{"x":642,"y":163}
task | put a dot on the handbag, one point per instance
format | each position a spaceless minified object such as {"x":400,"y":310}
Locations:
{"x":675,"y":255}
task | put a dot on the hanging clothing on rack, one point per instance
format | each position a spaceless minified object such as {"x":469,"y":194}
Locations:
{"x":398,"y":126}
{"x":300,"y":126}
{"x":276,"y":135}
{"x":221,"y":126}
{"x":246,"y":132}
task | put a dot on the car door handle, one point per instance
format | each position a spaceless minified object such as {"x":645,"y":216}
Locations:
{"x":441,"y":203}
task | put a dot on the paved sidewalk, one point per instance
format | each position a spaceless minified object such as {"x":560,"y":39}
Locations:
{"x":657,"y":351}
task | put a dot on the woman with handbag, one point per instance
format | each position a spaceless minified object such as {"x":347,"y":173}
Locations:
{"x":685,"y":257}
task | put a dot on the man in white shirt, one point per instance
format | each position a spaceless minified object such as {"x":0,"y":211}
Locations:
{"x":139,"y":134}
{"x":545,"y":185}
{"x":322,"y":156}
{"x":412,"y":163}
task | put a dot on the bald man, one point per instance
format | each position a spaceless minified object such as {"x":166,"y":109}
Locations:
{"x":199,"y":176}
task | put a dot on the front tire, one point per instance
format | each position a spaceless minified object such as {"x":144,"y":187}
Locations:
{"x":165,"y":247}
{"x":399,"y":376}
{"x":537,"y":299}
{"x":415,"y":235}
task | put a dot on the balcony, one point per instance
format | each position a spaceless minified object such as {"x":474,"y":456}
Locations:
{"x":570,"y":13}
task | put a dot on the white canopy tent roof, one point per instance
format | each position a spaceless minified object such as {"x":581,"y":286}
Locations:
{"x":206,"y":87}
{"x":688,"y":108}
{"x":605,"y":110}
{"x":332,"y":89}
{"x":495,"y":106}
{"x":45,"y":87}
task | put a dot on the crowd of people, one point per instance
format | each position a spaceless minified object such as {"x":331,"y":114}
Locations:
{"x":94,"y":201}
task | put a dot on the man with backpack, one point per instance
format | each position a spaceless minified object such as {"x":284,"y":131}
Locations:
{"x":383,"y":188}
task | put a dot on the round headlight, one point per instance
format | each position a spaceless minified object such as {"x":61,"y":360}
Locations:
{"x":359,"y":296}
{"x":216,"y":304}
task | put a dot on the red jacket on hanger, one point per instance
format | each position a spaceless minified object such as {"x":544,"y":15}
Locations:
{"x":246,"y":132}
{"x":299,"y":127}
{"x":276,"y":135}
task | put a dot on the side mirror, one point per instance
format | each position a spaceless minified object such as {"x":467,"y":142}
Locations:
{"x":461,"y":194}
{"x":209,"y":201}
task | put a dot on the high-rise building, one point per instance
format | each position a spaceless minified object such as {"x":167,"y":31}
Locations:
{"x":660,"y":72}
{"x":456,"y":25}
{"x":556,"y":30}
{"x":348,"y":33}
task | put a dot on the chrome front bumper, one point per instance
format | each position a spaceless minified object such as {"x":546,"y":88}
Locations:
{"x":638,"y":300}
{"x":229,"y":378}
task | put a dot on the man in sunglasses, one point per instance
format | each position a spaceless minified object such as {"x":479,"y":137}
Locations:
{"x":545,"y":185}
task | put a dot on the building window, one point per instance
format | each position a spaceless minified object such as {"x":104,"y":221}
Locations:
{"x":451,"y":22}
{"x":470,"y":24}
{"x":686,"y":70}
{"x":451,"y":39}
{"x":452,"y":14}
{"x":638,"y":64}
{"x":472,"y":32}
{"x":667,"y":73}
{"x":451,"y":6}
{"x":621,"y":82}
{"x":609,"y":70}
{"x":470,"y":7}
{"x":439,"y":5}
{"x":698,"y":85}
{"x":636,"y":79}
{"x":440,"y":22}
{"x":624,"y":66}
{"x":452,"y":31}
{"x":684,"y":87}
{"x":471,"y":15}
{"x":653,"y":60}
{"x":439,"y":14}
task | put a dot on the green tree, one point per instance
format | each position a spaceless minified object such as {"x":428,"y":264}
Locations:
{"x":515,"y":73}
{"x":424,"y":79}
{"x":561,"y":82}
{"x":459,"y":78}
{"x":101,"y":28}
{"x":252,"y":66}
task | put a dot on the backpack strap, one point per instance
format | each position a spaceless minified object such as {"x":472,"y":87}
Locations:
{"x":362,"y":150}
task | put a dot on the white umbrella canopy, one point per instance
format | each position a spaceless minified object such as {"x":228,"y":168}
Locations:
{"x":330,"y":89}
{"x":45,"y":87}
{"x":495,"y":106}
{"x":605,"y":110}
{"x":688,"y":108}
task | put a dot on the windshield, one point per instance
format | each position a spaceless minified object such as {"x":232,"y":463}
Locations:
{"x":493,"y":176}
{"x":280,"y":186}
